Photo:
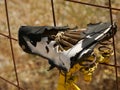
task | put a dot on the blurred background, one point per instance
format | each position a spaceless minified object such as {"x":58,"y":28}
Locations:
{"x":32,"y":70}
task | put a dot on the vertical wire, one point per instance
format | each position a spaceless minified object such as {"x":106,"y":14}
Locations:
{"x":11,"y":83}
{"x":11,"y":45}
{"x":53,"y":12}
{"x":115,"y":59}
{"x":54,"y":20}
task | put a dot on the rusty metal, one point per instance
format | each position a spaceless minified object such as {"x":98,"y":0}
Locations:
{"x":11,"y":83}
{"x":11,"y":44}
{"x":8,"y":37}
{"x":115,"y":59}
{"x":71,"y":40}
{"x":106,"y":64}
{"x":93,"y":5}
{"x":66,"y":43}
{"x":53,"y":12}
{"x":54,"y":21}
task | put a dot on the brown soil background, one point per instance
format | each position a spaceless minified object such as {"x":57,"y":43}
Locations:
{"x":32,"y":70}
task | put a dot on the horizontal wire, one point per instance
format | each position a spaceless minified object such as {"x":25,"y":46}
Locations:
{"x":11,"y":83}
{"x":94,"y":5}
{"x":110,"y":65}
{"x":8,"y":37}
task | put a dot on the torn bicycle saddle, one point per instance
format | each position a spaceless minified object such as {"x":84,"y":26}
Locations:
{"x":64,"y":46}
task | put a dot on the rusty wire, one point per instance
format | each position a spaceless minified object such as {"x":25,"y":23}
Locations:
{"x":8,"y":37}
{"x":54,"y":22}
{"x":11,"y":83}
{"x":53,"y":12}
{"x":115,"y":59}
{"x":88,"y":4}
{"x":11,"y":44}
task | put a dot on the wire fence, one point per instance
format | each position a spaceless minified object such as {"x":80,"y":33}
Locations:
{"x":9,"y":36}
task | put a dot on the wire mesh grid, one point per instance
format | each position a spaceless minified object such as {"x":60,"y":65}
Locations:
{"x":9,"y":36}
